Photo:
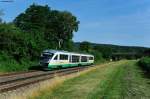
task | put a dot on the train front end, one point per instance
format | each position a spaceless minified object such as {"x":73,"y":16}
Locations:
{"x":45,"y":60}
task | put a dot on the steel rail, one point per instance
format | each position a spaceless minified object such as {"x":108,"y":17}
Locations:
{"x":13,"y":84}
{"x":16,"y":73}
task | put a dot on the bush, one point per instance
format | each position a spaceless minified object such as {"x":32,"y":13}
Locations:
{"x":98,"y":57}
{"x":9,"y":64}
{"x":145,"y":63}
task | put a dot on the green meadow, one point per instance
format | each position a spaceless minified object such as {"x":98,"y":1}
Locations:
{"x":116,"y":80}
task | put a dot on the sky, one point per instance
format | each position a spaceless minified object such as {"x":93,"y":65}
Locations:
{"x":119,"y":22}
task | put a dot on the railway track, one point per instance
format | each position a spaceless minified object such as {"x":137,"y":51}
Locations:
{"x":13,"y":81}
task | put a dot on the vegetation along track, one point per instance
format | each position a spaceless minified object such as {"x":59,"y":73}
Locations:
{"x":10,"y":82}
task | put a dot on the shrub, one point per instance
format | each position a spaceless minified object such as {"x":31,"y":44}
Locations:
{"x":9,"y":64}
{"x":145,"y":63}
{"x":98,"y":57}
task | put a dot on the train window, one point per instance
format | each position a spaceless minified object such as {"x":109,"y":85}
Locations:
{"x":84,"y":59}
{"x":75,"y":58}
{"x":90,"y":58}
{"x":56,"y":57}
{"x":46,"y":55}
{"x":63,"y":57}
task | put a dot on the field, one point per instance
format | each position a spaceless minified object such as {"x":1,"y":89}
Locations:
{"x":115,"y":80}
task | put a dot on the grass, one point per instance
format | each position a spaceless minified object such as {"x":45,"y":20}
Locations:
{"x":128,"y":82}
{"x":81,"y":87}
{"x":137,"y":84}
{"x":116,"y":80}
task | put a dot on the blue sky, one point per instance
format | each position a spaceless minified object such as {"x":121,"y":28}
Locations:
{"x":121,"y":22}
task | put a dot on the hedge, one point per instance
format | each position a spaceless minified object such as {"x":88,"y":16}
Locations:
{"x":145,"y":63}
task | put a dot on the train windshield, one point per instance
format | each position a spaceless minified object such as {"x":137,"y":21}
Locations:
{"x":46,"y":56}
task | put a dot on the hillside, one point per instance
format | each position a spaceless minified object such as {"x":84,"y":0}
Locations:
{"x":116,"y":48}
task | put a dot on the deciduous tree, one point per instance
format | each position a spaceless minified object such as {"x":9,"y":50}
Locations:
{"x":55,"y":26}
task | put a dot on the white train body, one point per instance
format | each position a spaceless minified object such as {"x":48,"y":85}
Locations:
{"x":59,"y":59}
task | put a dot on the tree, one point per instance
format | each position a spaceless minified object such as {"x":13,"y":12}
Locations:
{"x":33,"y":19}
{"x":56,"y":27}
{"x":12,"y":41}
{"x":97,"y":56}
{"x":85,"y":46}
{"x":105,"y":50}
{"x":147,"y":52}
{"x":62,"y":25}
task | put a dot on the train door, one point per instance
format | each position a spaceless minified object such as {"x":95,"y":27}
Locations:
{"x":55,"y":60}
{"x":70,"y":58}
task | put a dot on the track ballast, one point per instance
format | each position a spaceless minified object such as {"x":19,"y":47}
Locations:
{"x":14,"y":81}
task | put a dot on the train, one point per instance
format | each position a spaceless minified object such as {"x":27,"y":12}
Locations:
{"x":54,"y":59}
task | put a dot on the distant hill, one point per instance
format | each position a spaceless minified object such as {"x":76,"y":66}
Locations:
{"x":117,"y":48}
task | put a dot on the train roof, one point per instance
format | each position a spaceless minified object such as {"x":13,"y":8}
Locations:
{"x":62,"y":51}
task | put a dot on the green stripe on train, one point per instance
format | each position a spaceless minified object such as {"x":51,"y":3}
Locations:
{"x":67,"y":65}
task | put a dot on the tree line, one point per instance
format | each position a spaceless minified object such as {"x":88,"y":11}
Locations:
{"x":113,"y":52}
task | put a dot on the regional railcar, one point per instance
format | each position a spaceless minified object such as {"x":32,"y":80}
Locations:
{"x":52,"y":59}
